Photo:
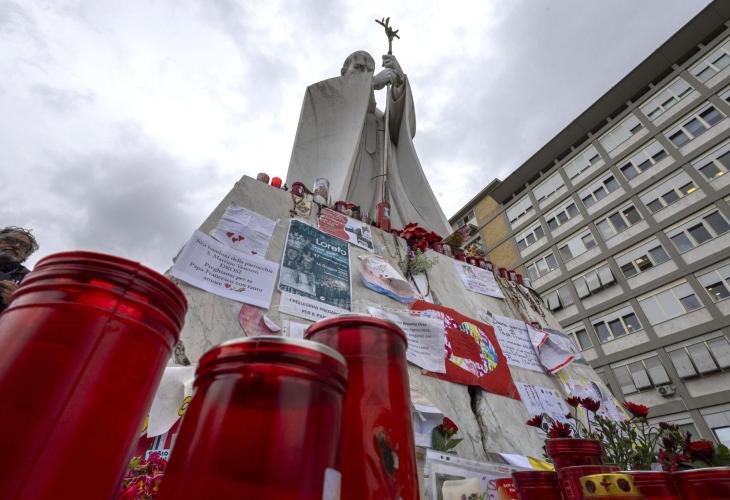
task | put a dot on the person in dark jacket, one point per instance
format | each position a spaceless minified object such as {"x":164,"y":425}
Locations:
{"x":16,"y":245}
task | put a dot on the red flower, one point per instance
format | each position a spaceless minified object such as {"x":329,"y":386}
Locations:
{"x":637,"y":410}
{"x":701,"y":450}
{"x":573,"y":401}
{"x":449,"y":426}
{"x":560,"y":430}
{"x":590,"y":404}
{"x":536,"y":421}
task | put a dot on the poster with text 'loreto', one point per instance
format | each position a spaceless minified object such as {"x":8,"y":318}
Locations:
{"x":315,"y":274}
{"x":473,"y":355}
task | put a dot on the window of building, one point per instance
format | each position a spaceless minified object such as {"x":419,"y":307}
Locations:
{"x":469,"y":218}
{"x":701,"y":357}
{"x":582,"y":162}
{"x":548,"y":187}
{"x":642,"y":374}
{"x":594,"y":281}
{"x":641,"y":161}
{"x":616,"y":324}
{"x":542,"y":266}
{"x":722,"y":434}
{"x":618,"y":221}
{"x":561,"y":215}
{"x":530,"y":237}
{"x":598,"y":190}
{"x":620,"y":133}
{"x":642,"y":257}
{"x":695,"y":125}
{"x":667,"y":192}
{"x":577,"y":245}
{"x":716,"y":163}
{"x":670,"y":302}
{"x":717,"y":283}
{"x":666,"y":98}
{"x":559,"y":298}
{"x":583,"y":339}
{"x":523,"y":208}
{"x":698,"y":230}
{"x":713,"y":63}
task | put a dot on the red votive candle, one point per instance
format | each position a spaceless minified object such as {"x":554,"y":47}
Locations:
{"x":569,"y":478}
{"x":655,"y":485}
{"x":264,"y":423}
{"x":472,"y":260}
{"x":536,"y":485}
{"x":712,"y":483}
{"x":82,"y":348}
{"x":377,"y":449}
{"x":276,"y":182}
{"x":298,"y":188}
{"x":567,"y":452}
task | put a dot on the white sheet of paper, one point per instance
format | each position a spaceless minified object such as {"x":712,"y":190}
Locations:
{"x":515,"y":342}
{"x":478,"y":280}
{"x":540,"y":399}
{"x":175,"y":386}
{"x":244,"y":230}
{"x":426,"y":338}
{"x":216,"y":268}
{"x":294,"y":329}
{"x":304,"y":307}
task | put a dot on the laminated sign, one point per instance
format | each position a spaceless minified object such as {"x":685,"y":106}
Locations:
{"x":473,"y":356}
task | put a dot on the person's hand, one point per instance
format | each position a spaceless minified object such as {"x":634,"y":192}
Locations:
{"x":384,"y":78}
{"x":390,"y":62}
{"x":6,"y":290}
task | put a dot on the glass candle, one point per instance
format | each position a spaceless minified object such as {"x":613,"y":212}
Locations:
{"x":567,"y":452}
{"x":536,"y":485}
{"x":264,"y":423}
{"x":712,"y":483}
{"x":321,"y":191}
{"x":377,"y":447}
{"x":82,"y":348}
{"x":655,"y":485}
{"x":569,"y":478}
{"x":472,"y":260}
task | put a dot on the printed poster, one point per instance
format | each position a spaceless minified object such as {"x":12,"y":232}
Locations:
{"x":216,"y":268}
{"x":553,"y":350}
{"x":473,"y":355}
{"x":540,"y":400}
{"x":345,"y":228}
{"x":378,"y":275}
{"x":244,"y":230}
{"x":315,"y":274}
{"x":478,"y":280}
{"x":425,"y":338}
{"x":584,"y":388}
{"x":514,"y":339}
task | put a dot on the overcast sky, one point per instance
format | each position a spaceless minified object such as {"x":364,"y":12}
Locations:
{"x":124,"y":123}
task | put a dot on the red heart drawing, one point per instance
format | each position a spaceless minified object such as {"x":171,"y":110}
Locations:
{"x":229,"y":234}
{"x":226,"y":285}
{"x":253,"y":252}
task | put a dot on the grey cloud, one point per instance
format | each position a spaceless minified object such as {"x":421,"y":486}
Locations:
{"x":62,"y":100}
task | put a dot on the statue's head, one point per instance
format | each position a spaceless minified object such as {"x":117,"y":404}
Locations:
{"x":358,"y":62}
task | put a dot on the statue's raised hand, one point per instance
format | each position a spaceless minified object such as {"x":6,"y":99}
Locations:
{"x":390,"y":62}
{"x":384,"y":78}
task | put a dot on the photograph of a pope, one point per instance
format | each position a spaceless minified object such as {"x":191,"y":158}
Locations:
{"x":341,"y":137}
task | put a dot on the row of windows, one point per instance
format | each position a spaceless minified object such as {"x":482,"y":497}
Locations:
{"x":638,"y":162}
{"x":670,"y":303}
{"x":698,"y":231}
{"x":668,"y":192}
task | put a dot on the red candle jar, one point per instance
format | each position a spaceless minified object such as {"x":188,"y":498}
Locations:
{"x":567,"y":452}
{"x":377,"y":448}
{"x":276,"y":182}
{"x":472,"y":260}
{"x":518,"y":279}
{"x":263,"y":177}
{"x":712,"y":483}
{"x":536,"y":485}
{"x":503,"y":273}
{"x":610,"y":487}
{"x":569,"y":478}
{"x":512,"y":275}
{"x":82,"y":348}
{"x":655,"y":485}
{"x":459,"y":255}
{"x":264,"y":422}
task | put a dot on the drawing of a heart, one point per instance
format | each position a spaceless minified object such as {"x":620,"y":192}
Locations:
{"x":226,"y":285}
{"x":229,"y":234}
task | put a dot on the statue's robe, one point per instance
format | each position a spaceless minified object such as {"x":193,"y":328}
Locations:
{"x":340,"y":137}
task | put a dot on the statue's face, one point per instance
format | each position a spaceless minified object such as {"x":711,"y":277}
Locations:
{"x":359,"y":63}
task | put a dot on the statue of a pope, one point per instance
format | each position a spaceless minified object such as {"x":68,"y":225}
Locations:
{"x":341,"y":137}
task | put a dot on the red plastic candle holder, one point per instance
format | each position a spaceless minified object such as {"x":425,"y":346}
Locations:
{"x":377,"y":447}
{"x":536,"y":485}
{"x":264,"y":423}
{"x":655,"y":485}
{"x":568,"y":452}
{"x":82,"y":348}
{"x":276,"y":182}
{"x":712,"y":483}
{"x":569,"y":478}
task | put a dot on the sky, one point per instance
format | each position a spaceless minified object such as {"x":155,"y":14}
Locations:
{"x":124,"y":124}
